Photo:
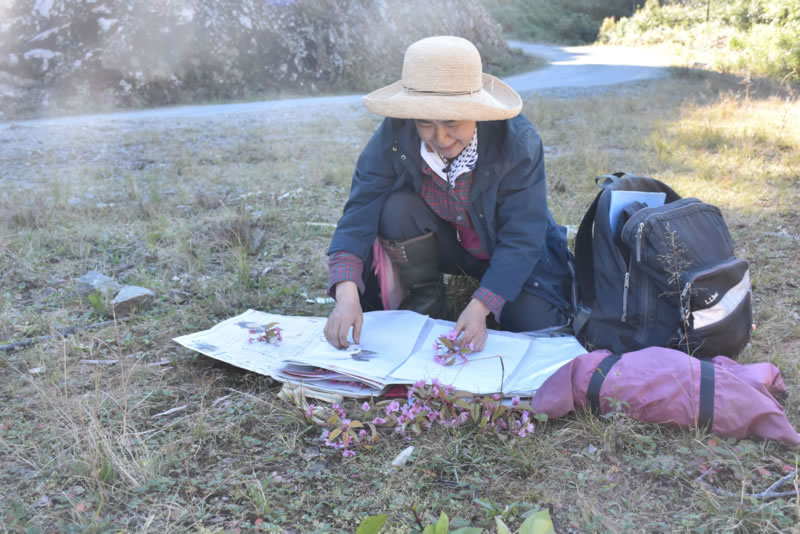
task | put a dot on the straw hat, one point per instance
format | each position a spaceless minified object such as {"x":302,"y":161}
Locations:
{"x":443,"y":79}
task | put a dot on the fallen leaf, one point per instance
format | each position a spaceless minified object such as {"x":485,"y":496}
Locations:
{"x":81,"y":507}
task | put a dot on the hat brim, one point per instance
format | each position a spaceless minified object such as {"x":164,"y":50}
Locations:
{"x":495,"y":101}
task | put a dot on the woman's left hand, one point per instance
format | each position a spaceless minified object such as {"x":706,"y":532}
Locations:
{"x":472,"y":324}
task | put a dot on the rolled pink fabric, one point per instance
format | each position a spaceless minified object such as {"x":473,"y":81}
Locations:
{"x":392,"y":292}
{"x":659,"y":385}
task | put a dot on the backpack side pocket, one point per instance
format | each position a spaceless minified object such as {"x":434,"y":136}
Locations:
{"x":717,"y":311}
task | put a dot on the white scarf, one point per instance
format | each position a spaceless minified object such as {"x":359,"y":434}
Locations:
{"x":464,"y":162}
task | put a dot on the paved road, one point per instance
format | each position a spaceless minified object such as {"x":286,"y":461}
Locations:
{"x":587,"y":66}
{"x":576,"y":66}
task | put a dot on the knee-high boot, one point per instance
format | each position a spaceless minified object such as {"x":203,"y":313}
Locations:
{"x":417,"y":263}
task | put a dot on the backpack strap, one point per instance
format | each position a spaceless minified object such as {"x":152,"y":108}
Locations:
{"x":584,"y":260}
{"x":596,"y":382}
{"x":606,"y":180}
{"x":705,"y":417}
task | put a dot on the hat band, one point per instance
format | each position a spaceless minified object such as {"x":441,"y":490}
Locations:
{"x":441,"y":93}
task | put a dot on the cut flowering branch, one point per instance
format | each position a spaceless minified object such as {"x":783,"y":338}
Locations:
{"x":426,"y":405}
{"x":447,"y":353}
{"x":272,"y":334}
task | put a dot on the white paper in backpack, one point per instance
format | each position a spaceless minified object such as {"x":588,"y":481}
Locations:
{"x":622,"y":199}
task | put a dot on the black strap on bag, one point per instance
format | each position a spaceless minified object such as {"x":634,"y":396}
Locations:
{"x":705,"y":417}
{"x":584,"y":259}
{"x":596,"y":382}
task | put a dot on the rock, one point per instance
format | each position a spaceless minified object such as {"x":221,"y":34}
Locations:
{"x":94,"y":281}
{"x":131,"y":298}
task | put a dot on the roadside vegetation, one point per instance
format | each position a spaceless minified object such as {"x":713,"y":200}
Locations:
{"x":220,"y":215}
{"x":564,"y":22}
{"x":748,"y":37}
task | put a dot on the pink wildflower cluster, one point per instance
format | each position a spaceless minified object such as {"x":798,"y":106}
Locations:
{"x":425,"y":405}
{"x":447,"y":352}
{"x":345,"y":433}
{"x":272,"y":334}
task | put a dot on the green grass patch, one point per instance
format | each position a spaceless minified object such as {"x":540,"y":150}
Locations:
{"x":747,"y":37}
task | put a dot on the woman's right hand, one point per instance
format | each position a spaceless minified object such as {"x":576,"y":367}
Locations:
{"x":347,"y":313}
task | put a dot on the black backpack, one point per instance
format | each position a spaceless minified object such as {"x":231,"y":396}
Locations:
{"x":667,"y":276}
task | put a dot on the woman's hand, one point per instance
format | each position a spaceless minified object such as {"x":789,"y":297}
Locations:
{"x":345,"y":314}
{"x":472,"y":324}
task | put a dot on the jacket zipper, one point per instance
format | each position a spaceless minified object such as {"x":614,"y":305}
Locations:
{"x":639,"y":242}
{"x":625,"y":296}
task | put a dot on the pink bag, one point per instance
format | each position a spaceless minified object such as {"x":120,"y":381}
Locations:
{"x":659,"y":385}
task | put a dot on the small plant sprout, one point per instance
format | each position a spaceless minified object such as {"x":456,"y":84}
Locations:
{"x":446,"y":352}
{"x":272,"y":334}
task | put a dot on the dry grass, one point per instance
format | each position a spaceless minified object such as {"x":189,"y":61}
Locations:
{"x":214,"y":218}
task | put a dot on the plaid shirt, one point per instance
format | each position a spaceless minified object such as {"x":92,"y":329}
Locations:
{"x":448,"y":203}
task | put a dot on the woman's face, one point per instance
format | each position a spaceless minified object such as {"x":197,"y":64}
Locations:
{"x":448,"y":138}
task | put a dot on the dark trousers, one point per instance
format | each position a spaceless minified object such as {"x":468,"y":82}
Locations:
{"x":405,"y":215}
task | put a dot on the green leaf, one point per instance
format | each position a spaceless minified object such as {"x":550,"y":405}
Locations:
{"x":334,"y":434}
{"x":97,"y":303}
{"x":538,"y":523}
{"x":541,"y":417}
{"x":501,"y":527}
{"x":443,"y":526}
{"x":468,"y":530}
{"x":430,"y":529}
{"x":372,"y":524}
{"x":485,"y":504}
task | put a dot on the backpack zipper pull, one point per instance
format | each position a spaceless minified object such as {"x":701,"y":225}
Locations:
{"x":639,"y":242}
{"x":625,"y":296}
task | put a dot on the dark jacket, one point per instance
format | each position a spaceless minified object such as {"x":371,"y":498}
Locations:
{"x":508,"y":205}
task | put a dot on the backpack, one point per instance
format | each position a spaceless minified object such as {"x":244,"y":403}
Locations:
{"x":659,"y":271}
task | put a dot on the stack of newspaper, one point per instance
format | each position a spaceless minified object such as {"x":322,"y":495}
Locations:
{"x":396,"y":347}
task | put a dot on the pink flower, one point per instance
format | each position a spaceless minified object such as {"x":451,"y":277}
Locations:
{"x":420,"y":384}
{"x":393,"y":407}
{"x":496,"y":396}
{"x":345,"y":424}
{"x":471,"y":347}
{"x":250,"y":340}
{"x":362,"y":433}
{"x":522,"y":433}
{"x":251,"y":331}
{"x":378,"y":421}
{"x":365,"y":406}
{"x":525,"y":416}
{"x":514,"y":401}
{"x":310,"y":410}
{"x":347,"y":453}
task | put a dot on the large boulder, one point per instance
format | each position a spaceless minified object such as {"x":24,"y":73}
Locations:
{"x":91,"y":54}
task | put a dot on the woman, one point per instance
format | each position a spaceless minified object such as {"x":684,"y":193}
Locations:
{"x":452,"y":181}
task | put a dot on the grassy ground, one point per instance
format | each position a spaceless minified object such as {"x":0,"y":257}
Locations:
{"x":218,"y":218}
